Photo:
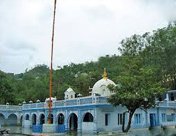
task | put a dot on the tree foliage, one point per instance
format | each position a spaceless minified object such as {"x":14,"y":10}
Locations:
{"x":6,"y":90}
{"x":148,"y":68}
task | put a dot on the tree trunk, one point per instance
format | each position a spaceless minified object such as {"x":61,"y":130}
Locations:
{"x":174,"y":83}
{"x":129,"y":121}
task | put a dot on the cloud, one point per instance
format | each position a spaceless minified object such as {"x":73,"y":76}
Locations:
{"x":85,"y":29}
{"x":100,"y":12}
{"x":164,"y":8}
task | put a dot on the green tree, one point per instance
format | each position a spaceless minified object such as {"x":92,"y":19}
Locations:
{"x":6,"y":90}
{"x":162,"y":53}
{"x":139,"y":85}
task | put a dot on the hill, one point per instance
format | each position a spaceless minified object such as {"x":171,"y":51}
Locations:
{"x":157,"y":49}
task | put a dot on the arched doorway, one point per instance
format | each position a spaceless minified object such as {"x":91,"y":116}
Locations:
{"x":88,"y":117}
{"x":12,"y":120}
{"x":73,"y":122}
{"x":61,"y":125}
{"x":42,"y":119}
{"x":2,"y":119}
{"x":34,"y":119}
{"x":51,"y":118}
{"x":27,"y":117}
{"x":60,"y":119}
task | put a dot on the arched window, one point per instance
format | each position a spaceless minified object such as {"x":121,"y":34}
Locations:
{"x":88,"y":117}
{"x":12,"y":120}
{"x":42,"y":119}
{"x":61,"y":119}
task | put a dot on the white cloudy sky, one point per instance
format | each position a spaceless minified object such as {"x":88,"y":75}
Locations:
{"x":85,"y":29}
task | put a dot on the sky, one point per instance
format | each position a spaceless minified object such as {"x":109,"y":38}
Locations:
{"x":84,"y":30}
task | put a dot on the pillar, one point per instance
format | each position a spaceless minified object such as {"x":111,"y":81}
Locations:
{"x":46,"y":117}
{"x":95,"y":120}
{"x":54,"y":117}
{"x":66,"y":120}
{"x":79,"y":121}
{"x":38,"y":119}
{"x":167,"y":97}
{"x":19,"y":120}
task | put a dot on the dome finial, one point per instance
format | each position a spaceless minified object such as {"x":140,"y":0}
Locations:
{"x":105,"y":75}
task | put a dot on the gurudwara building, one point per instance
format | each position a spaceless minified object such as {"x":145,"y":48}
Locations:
{"x":94,"y":114}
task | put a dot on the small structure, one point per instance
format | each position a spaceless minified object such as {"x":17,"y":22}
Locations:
{"x":69,"y":93}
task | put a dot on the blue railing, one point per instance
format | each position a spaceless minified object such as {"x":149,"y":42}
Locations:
{"x":10,"y":108}
{"x":171,"y":104}
{"x":59,"y":103}
{"x":70,"y":102}
{"x":86,"y":100}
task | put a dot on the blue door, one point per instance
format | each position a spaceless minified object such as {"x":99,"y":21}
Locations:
{"x":152,"y":120}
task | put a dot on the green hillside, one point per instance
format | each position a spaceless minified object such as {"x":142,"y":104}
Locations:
{"x":156,"y":49}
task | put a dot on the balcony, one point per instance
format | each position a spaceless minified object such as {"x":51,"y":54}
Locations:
{"x":168,"y":104}
{"x":10,"y":108}
{"x":71,"y":102}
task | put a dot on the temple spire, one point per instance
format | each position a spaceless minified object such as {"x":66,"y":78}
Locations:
{"x":105,"y":75}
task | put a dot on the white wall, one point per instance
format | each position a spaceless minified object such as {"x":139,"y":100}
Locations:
{"x":88,"y":126}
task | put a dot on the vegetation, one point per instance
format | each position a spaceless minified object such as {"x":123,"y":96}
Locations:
{"x":139,"y":82}
{"x":144,"y":69}
{"x":6,"y":93}
{"x":147,"y":70}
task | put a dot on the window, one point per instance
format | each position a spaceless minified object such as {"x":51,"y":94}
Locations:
{"x":106,"y":119}
{"x":88,"y":117}
{"x":137,"y":118}
{"x":163,"y":116}
{"x":170,"y":118}
{"x":172,"y":96}
{"x":160,"y":98}
{"x":27,"y":116}
{"x":173,"y":116}
{"x":120,"y":119}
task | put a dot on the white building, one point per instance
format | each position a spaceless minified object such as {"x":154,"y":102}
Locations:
{"x":93,"y":113}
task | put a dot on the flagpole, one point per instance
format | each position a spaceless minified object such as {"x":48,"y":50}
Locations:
{"x":51,"y":65}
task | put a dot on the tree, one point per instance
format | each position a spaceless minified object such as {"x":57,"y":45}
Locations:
{"x":162,"y":52}
{"x":139,"y":85}
{"x":6,"y":91}
{"x":82,"y":83}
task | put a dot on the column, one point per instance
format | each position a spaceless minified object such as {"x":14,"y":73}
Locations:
{"x":66,"y":120}
{"x":46,"y":117}
{"x":167,"y":97}
{"x":38,"y":119}
{"x":54,"y":117}
{"x":79,"y":121}
{"x":18,"y":120}
{"x":95,"y":119}
{"x":146,"y":118}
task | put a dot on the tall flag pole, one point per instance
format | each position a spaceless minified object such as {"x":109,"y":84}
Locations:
{"x":51,"y":65}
